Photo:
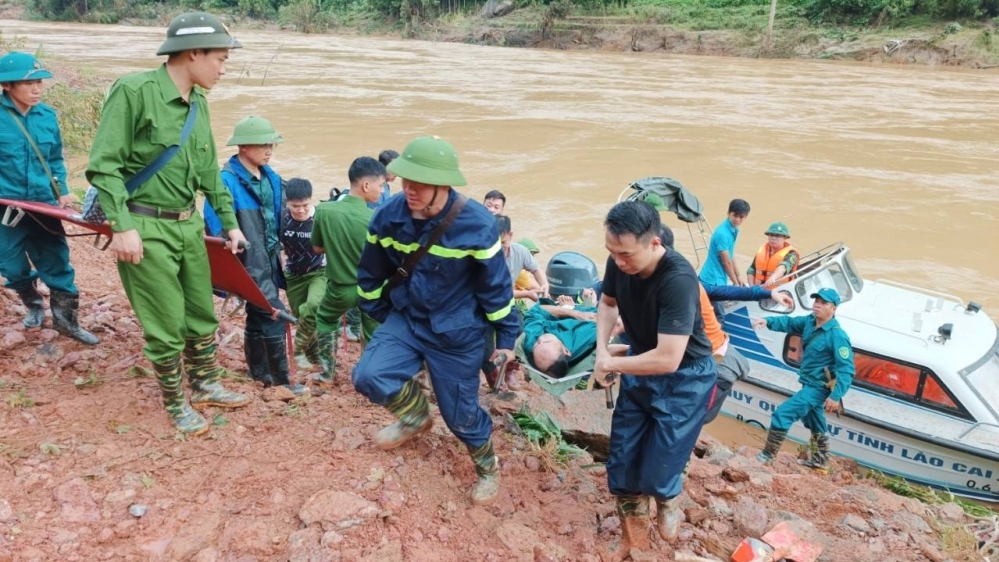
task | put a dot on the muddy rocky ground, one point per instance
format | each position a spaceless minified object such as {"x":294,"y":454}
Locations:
{"x":90,"y":469}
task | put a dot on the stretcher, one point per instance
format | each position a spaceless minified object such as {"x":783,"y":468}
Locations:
{"x":575,"y":378}
{"x":228,"y":273}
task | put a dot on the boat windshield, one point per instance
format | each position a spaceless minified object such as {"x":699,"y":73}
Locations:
{"x":830,"y":276}
{"x":852,"y":273}
{"x":985,"y":381}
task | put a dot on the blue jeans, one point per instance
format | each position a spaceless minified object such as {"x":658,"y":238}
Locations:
{"x":655,"y":426}
{"x":395,"y":354}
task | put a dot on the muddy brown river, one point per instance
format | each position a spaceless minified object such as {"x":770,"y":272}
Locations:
{"x":899,"y":163}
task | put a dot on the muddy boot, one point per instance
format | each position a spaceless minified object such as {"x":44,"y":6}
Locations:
{"x":277,"y":360}
{"x":303,"y":339}
{"x":205,"y":373}
{"x":256,"y":358}
{"x":635,"y":525}
{"x":819,"y":458}
{"x":65,"y":317}
{"x":487,"y":468}
{"x":312,"y":350}
{"x":326,"y":345}
{"x":411,"y":407}
{"x":182,"y":416}
{"x":32,"y":300}
{"x":668,"y":518}
{"x":775,"y":438}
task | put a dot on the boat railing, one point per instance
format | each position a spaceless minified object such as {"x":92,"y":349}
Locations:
{"x":929,"y":292}
{"x":975,"y":426}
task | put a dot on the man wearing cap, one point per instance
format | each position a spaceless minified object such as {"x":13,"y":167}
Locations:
{"x":33,"y":170}
{"x":825,"y":374}
{"x":775,"y":259}
{"x":158,"y":233}
{"x":258,"y":202}
{"x":438,"y":311}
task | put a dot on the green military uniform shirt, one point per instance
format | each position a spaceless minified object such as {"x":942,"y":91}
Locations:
{"x":142,"y":116}
{"x":341,"y":228}
{"x":826,"y":346}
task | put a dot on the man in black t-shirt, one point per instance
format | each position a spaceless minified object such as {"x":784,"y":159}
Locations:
{"x":668,"y":373}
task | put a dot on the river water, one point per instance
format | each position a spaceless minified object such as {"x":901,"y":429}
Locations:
{"x":896,"y":162}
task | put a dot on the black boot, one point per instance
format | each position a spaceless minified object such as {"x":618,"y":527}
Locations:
{"x":277,"y":360}
{"x":256,"y":358}
{"x":32,"y":300}
{"x":66,"y":315}
{"x":775,"y":438}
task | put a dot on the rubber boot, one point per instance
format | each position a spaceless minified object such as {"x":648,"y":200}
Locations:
{"x":303,"y":339}
{"x":635,"y":525}
{"x":819,"y":458}
{"x":775,"y":438}
{"x":668,"y":518}
{"x":256,"y":358}
{"x":312,"y":350}
{"x":181,"y":415}
{"x":326,"y":345}
{"x":487,"y":468}
{"x":65,"y":317}
{"x":32,"y":300}
{"x":410,"y":406}
{"x":205,"y":373}
{"x":277,"y":361}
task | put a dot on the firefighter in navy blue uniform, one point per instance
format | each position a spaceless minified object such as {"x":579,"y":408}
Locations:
{"x":258,"y":201}
{"x":439,"y":313}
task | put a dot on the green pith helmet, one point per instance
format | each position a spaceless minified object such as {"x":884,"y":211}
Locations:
{"x":19,"y":67}
{"x":530,"y":245}
{"x":654,"y":200}
{"x":429,"y":160}
{"x":254,"y":130}
{"x":197,"y":30}
{"x":779,"y":229}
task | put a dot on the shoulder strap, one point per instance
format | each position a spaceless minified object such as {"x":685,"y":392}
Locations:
{"x":404,"y":270}
{"x":54,"y":183}
{"x":156,"y":165}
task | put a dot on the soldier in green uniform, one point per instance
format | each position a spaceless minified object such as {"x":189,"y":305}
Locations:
{"x":162,"y":260}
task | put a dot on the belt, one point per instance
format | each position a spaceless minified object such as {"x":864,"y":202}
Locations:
{"x":158,"y":213}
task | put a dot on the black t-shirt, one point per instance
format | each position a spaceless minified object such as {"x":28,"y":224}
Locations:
{"x":668,"y":302}
{"x":296,"y":237}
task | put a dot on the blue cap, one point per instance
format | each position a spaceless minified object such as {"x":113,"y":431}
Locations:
{"x":18,"y":67}
{"x":827,"y":294}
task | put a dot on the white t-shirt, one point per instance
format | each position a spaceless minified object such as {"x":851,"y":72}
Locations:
{"x":520,"y":258}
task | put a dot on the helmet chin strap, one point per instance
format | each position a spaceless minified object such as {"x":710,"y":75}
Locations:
{"x":430,"y":205}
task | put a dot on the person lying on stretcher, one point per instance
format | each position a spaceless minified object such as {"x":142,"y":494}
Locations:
{"x":559,"y":334}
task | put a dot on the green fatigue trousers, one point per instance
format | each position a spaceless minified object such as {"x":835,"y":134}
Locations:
{"x":336,"y":301}
{"x":170,"y":289}
{"x":305,"y":292}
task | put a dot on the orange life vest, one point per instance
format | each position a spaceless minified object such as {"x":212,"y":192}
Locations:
{"x":766,"y":263}
{"x":712,"y":328}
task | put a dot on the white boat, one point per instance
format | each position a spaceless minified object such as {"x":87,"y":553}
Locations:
{"x":924,"y":404}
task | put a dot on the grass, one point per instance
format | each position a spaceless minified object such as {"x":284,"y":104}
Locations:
{"x":19,"y":399}
{"x":545,"y":436}
{"x":930,"y":496}
{"x":959,"y":542}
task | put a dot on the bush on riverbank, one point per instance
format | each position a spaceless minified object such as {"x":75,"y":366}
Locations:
{"x":316,"y":15}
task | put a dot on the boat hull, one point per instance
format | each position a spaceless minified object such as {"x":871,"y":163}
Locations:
{"x":875,"y":447}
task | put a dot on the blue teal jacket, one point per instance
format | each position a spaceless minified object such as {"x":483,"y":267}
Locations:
{"x":456,"y":289}
{"x":828,"y":346}
{"x":22,"y":176}
{"x":262,"y":262}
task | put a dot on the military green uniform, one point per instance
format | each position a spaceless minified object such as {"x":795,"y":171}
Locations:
{"x":341,"y":229}
{"x":169,"y":289}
